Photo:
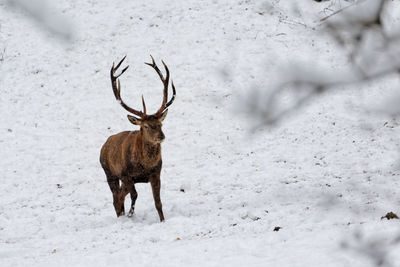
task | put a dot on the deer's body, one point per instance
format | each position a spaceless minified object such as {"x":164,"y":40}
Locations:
{"x":132,"y":157}
{"x":127,"y":154}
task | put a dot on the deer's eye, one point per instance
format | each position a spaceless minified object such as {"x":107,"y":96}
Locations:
{"x":145,"y":126}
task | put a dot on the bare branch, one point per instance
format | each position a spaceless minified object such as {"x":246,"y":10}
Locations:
{"x":40,"y":11}
{"x":372,"y":55}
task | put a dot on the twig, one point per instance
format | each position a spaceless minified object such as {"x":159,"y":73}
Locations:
{"x":340,"y":10}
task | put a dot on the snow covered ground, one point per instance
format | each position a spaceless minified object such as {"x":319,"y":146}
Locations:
{"x":325,"y":175}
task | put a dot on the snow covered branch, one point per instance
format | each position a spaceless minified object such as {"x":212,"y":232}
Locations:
{"x":2,"y":55}
{"x":44,"y":14}
{"x":372,"y":48}
{"x":376,"y":249}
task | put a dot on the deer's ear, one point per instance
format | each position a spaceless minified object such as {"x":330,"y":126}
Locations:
{"x":134,"y":120}
{"x":163,"y":115}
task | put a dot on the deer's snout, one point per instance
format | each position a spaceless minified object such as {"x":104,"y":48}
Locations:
{"x":161,"y":137}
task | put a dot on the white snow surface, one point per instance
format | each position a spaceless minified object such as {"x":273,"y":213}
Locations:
{"x":325,"y":175}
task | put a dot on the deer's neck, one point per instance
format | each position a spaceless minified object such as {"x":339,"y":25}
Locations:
{"x":147,"y":153}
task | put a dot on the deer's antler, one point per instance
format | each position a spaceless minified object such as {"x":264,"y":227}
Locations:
{"x":165,"y":104}
{"x":116,"y":86}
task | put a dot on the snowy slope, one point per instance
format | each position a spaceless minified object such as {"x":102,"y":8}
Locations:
{"x":325,"y":175}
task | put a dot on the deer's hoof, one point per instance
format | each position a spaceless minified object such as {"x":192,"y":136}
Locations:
{"x":130,"y":214}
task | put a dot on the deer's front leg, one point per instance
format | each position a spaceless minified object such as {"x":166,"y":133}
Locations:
{"x":156,"y":186}
{"x":134,"y":196}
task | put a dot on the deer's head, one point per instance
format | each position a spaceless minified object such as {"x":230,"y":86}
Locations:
{"x":150,"y":125}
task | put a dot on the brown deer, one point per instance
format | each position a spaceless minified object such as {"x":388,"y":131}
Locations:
{"x":135,"y":156}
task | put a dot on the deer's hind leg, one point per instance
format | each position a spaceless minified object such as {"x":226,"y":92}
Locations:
{"x":125,"y":189}
{"x":113,"y":182}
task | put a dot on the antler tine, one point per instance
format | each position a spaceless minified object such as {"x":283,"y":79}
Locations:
{"x":166,"y":82}
{"x":173,"y":95}
{"x":122,"y":72}
{"x":144,"y":105}
{"x":166,"y":71}
{"x":155,"y":67}
{"x":164,"y":104}
{"x":119,"y":64}
{"x":117,"y":89}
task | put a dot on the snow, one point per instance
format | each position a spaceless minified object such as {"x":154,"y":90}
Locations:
{"x":325,"y":175}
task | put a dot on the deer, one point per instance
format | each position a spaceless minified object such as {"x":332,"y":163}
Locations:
{"x":132,"y":157}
